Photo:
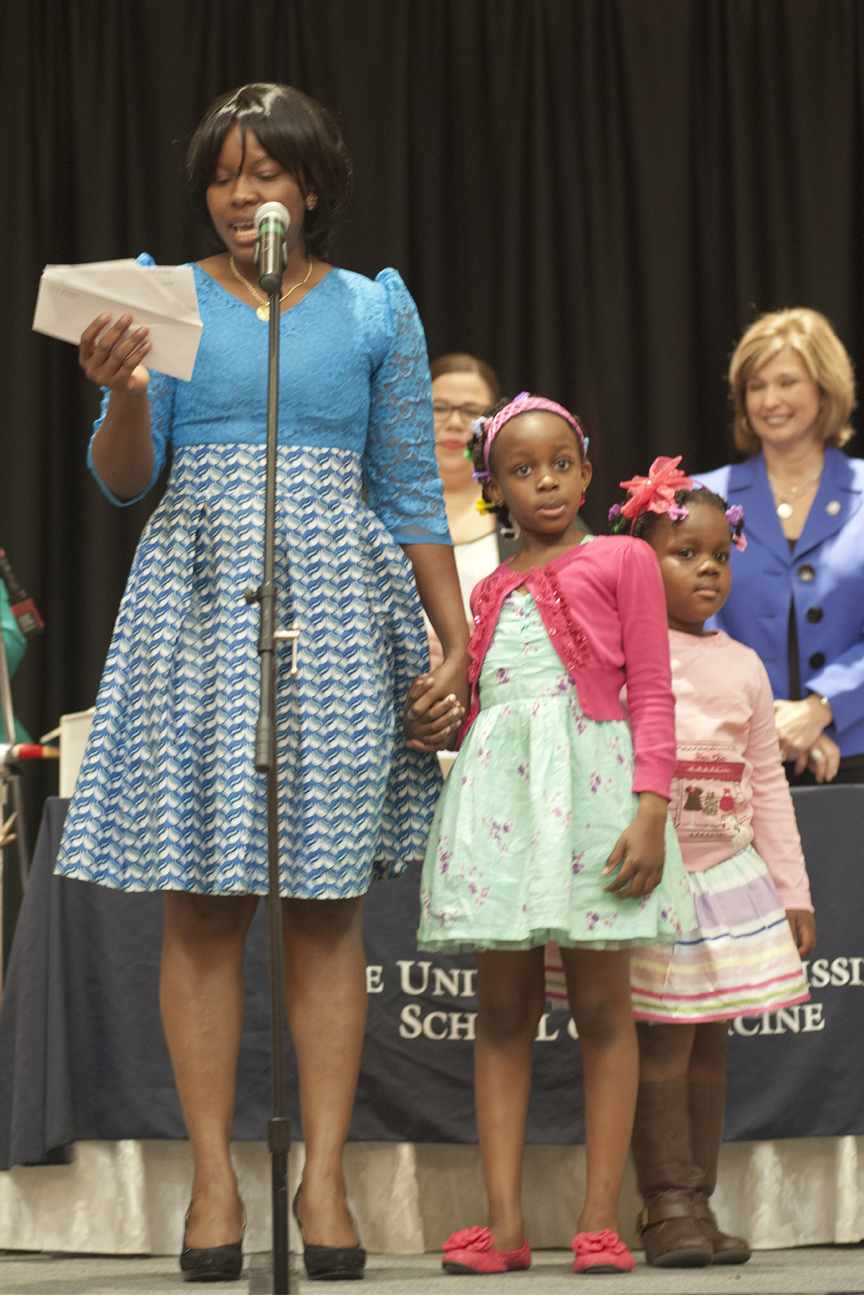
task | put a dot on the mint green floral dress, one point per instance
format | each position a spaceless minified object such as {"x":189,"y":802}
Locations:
{"x":535,"y":802}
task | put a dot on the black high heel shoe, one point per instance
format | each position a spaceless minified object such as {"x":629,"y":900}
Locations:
{"x":212,"y":1264}
{"x":323,"y":1262}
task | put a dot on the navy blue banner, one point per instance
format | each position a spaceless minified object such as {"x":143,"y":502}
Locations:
{"x":792,"y":1074}
{"x":83,"y":1056}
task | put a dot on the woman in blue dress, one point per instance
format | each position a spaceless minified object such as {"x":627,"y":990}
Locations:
{"x":168,"y":798}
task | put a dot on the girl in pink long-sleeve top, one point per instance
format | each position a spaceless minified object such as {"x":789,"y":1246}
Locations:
{"x":736,"y":825}
{"x":553,"y":823}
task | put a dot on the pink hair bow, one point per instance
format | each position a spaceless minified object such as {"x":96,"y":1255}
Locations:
{"x":656,"y":492}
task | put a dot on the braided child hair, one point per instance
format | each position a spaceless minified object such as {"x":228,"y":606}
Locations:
{"x":475,"y":451}
{"x":644,"y":526}
{"x":668,"y":491}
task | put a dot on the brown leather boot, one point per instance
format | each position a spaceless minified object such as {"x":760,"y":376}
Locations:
{"x":707,"y":1113}
{"x":672,"y":1234}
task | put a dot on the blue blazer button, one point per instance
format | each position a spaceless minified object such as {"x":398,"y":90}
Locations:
{"x":806,"y":572}
{"x":817,"y":660}
{"x":814,"y":615}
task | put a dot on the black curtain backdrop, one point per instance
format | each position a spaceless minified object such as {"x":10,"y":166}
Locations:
{"x":594,"y":195}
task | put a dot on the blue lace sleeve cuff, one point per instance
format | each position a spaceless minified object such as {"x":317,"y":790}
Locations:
{"x":161,"y":394}
{"x":417,"y":534}
{"x":109,"y":494}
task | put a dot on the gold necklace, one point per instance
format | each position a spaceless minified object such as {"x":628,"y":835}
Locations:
{"x":785,"y":508}
{"x":263,"y":311}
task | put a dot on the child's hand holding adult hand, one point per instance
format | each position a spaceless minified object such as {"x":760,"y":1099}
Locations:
{"x":640,"y":850}
{"x":803,"y":926}
{"x":435,"y":705}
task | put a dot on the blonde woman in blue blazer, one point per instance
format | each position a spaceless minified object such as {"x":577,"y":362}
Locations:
{"x":798,"y":590}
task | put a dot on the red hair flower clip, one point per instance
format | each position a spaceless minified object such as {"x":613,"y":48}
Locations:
{"x":656,"y":492}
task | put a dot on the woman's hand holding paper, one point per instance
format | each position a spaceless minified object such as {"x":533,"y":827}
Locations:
{"x":115,"y":357}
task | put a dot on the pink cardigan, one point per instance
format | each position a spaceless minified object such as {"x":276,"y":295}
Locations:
{"x":604,"y":609}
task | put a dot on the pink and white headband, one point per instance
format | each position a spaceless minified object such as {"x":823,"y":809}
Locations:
{"x":486,"y":429}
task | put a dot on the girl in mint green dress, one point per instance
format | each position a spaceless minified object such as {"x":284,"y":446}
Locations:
{"x":553,"y":821}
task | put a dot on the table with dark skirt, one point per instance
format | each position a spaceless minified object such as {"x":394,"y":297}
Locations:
{"x":83,"y":1056}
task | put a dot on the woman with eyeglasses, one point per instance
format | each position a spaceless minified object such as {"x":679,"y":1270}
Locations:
{"x":463,"y":388}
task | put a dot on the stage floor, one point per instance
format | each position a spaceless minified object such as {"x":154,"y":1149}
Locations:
{"x":822,"y":1270}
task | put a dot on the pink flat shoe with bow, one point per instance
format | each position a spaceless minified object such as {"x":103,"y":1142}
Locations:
{"x":602,"y":1253}
{"x":471,"y":1251}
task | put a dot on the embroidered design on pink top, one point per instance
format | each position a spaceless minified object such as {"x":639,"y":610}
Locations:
{"x":576,"y":650}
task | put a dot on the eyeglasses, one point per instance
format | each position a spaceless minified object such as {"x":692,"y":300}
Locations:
{"x":466,"y":413}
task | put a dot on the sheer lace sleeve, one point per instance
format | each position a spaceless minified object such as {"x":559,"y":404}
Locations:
{"x":161,"y":393}
{"x":400,"y":470}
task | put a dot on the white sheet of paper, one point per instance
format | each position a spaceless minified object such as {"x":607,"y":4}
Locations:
{"x":162,"y":297}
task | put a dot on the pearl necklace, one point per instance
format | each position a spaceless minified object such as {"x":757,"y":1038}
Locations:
{"x":263,"y":311}
{"x":787,"y":502}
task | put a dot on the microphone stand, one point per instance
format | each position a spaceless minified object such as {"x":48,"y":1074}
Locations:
{"x":279,"y":1126}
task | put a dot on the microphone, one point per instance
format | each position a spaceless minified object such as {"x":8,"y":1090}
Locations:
{"x":22,"y":608}
{"x":271,"y":222}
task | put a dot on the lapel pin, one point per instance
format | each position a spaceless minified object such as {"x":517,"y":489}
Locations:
{"x":833,"y":507}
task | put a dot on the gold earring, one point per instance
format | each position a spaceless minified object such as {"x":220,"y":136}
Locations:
{"x":311,"y":201}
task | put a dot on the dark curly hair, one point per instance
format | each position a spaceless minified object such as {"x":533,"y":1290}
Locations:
{"x":645,"y":525}
{"x":475,"y":452}
{"x":297,"y":132}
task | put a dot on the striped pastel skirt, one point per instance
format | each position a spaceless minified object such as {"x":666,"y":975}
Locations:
{"x":740,"y":961}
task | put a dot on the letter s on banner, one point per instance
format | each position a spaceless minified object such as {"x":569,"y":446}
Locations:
{"x":410,"y":1019}
{"x":819,"y":974}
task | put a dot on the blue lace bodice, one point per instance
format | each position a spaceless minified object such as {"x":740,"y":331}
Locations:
{"x":353,"y":376}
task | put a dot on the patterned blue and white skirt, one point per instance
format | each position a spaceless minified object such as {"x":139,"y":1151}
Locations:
{"x":168,"y":797}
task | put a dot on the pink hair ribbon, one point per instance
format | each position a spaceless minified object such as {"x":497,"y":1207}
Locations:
{"x":656,"y":492}
{"x":488,"y":428}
